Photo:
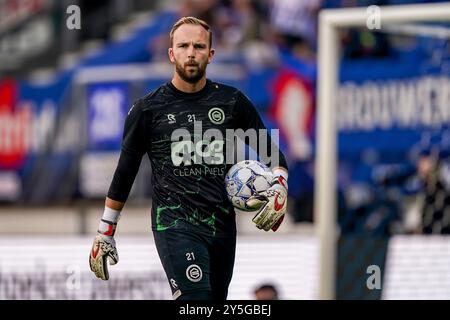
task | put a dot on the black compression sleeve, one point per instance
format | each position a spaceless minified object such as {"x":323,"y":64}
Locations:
{"x":124,"y":176}
{"x":133,"y":148}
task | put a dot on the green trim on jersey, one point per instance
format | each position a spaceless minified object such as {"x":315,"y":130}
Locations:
{"x":159,"y":226}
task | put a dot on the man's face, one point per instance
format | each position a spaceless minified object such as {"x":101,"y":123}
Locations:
{"x":190,"y":52}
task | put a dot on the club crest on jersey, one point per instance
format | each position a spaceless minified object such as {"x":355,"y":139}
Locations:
{"x":216,"y":115}
{"x":194,"y":273}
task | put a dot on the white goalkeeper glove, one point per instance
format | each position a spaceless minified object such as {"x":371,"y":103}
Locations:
{"x":271,"y":204}
{"x":104,"y":246}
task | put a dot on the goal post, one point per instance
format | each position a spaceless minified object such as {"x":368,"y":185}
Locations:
{"x":325,"y":201}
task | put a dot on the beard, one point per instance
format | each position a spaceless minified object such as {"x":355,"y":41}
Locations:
{"x":194,"y":75}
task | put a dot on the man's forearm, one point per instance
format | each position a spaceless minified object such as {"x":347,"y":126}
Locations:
{"x":113,"y":204}
{"x":124,"y":175}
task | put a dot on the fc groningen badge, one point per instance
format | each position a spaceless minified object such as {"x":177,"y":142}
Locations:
{"x":216,"y":115}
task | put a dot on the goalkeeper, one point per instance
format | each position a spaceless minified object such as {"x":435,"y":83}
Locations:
{"x":193,"y":222}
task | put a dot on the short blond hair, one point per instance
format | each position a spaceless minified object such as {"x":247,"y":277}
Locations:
{"x":194,"y":21}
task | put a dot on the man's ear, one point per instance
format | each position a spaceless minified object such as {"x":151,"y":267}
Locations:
{"x":170,"y":53}
{"x":211,"y":54}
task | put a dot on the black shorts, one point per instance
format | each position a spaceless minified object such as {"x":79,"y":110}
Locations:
{"x":194,"y":262}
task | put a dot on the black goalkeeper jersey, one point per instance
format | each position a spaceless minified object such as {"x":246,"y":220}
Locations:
{"x":188,"y":159}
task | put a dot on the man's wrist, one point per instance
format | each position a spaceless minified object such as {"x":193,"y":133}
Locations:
{"x":280,"y":176}
{"x":108,"y":222}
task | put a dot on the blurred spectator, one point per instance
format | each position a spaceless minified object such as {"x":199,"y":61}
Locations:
{"x":266,"y":292}
{"x":371,"y":211}
{"x":301,"y":191}
{"x":362,"y":42}
{"x":295,"y":25}
{"x":202,"y":9}
{"x":97,"y":19}
{"x":416,"y":193}
{"x":374,"y":202}
{"x":237,"y":23}
{"x":434,"y":170}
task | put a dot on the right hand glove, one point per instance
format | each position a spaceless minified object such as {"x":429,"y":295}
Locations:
{"x":271,"y":205}
{"x":103,"y":249}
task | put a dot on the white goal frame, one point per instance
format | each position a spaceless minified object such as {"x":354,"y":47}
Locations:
{"x":330,"y":20}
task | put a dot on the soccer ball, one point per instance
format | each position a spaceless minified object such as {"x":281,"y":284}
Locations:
{"x":245,"y":179}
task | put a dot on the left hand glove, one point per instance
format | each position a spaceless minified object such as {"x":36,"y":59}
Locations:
{"x":103,"y":250}
{"x":272,"y":205}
